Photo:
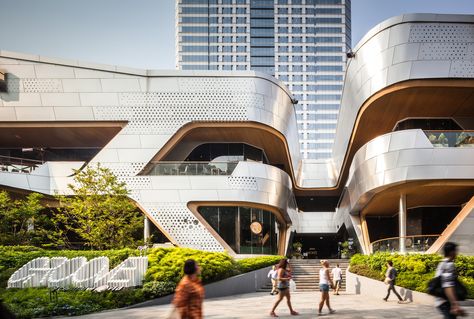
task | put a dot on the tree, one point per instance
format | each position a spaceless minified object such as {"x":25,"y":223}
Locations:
{"x":99,"y":212}
{"x":21,"y":220}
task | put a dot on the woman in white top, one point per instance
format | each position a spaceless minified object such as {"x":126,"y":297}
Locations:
{"x":325,"y":282}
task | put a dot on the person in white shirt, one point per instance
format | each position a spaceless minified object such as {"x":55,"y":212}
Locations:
{"x":446,"y":269}
{"x":336,"y":274}
{"x":273,"y":275}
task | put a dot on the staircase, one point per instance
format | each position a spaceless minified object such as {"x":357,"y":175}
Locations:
{"x":306,"y":274}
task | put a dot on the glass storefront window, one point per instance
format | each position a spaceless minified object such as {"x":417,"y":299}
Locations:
{"x":246,"y":230}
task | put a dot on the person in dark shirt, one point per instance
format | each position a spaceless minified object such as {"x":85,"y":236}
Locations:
{"x":447,"y":270}
{"x":390,"y":280}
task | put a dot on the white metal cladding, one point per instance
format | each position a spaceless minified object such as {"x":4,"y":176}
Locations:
{"x":412,"y":46}
{"x":155,"y":105}
{"x":403,"y":156}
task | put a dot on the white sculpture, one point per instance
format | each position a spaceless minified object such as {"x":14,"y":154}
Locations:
{"x":61,"y":272}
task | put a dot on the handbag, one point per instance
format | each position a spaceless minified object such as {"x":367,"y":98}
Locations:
{"x":387,"y":281}
{"x":173,"y":314}
{"x":292,"y":285}
{"x":435,"y":288}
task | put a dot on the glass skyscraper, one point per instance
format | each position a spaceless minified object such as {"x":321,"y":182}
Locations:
{"x":301,"y":42}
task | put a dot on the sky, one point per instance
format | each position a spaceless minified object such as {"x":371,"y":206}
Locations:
{"x":141,"y":33}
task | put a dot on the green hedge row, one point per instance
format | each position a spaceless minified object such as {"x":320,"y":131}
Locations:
{"x":414,"y":270}
{"x":164,"y":272}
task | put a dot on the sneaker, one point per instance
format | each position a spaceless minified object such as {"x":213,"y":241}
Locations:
{"x":273,"y":314}
{"x":401,"y":301}
{"x":332,"y":311}
{"x":384,"y":299}
{"x":294,"y":313}
{"x":320,"y":314}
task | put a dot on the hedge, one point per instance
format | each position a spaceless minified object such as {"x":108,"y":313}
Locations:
{"x":414,"y":270}
{"x":164,"y":272}
{"x":249,"y":264}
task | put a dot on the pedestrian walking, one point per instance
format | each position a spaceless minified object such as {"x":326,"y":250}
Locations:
{"x":189,"y":294}
{"x":446,"y":270}
{"x":337,"y":278}
{"x":283,"y":286}
{"x":390,"y":280}
{"x":325,"y":282}
{"x":273,"y":275}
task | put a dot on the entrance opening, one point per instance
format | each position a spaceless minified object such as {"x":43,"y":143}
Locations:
{"x":322,"y":246}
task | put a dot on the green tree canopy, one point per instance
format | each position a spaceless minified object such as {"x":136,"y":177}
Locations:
{"x":21,"y":220}
{"x":99,"y":212}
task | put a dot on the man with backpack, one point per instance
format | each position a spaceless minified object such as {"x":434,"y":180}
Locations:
{"x":446,"y":272}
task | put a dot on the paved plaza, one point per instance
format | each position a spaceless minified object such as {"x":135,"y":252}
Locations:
{"x":257,"y":305}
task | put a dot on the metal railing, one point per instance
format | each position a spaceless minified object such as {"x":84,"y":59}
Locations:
{"x":18,"y":165}
{"x":416,"y":243}
{"x":451,"y":138}
{"x":192,"y":168}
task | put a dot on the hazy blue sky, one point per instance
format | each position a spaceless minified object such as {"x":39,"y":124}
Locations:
{"x":141,"y":33}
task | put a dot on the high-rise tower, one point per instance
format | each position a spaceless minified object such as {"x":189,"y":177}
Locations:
{"x":301,"y":42}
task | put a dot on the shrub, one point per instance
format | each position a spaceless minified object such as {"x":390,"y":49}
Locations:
{"x":414,"y":270}
{"x":366,"y":271}
{"x":155,"y":289}
{"x":164,"y":272}
{"x":249,"y":264}
{"x":168,"y":265}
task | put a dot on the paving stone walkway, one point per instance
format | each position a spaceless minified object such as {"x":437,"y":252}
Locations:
{"x":258,"y":305}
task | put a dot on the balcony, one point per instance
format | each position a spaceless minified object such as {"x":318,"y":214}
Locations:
{"x":192,"y":168}
{"x":18,"y":165}
{"x":451,"y":138}
{"x":414,"y":244}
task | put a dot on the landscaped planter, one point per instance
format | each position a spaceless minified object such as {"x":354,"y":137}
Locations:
{"x":361,"y":285}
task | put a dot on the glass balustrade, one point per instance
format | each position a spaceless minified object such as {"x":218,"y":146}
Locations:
{"x":451,"y":138}
{"x":192,"y":168}
{"x":418,"y":243}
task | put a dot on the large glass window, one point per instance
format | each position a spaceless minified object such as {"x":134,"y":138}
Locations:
{"x":246,"y":230}
{"x":223,"y":152}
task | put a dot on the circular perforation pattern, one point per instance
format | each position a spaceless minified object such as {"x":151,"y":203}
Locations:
{"x":462,"y":69}
{"x":433,"y":32}
{"x":217,"y":84}
{"x":444,"y":51}
{"x":124,"y":169}
{"x":183,"y":226}
{"x":13,"y":85}
{"x":41,"y":85}
{"x":243,"y":182}
{"x":165,"y":113}
{"x":137,"y":182}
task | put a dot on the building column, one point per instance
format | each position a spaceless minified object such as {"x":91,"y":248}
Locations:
{"x":146,"y":229}
{"x":402,"y":222}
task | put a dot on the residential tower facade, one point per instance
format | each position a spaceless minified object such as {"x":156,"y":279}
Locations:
{"x":301,"y":42}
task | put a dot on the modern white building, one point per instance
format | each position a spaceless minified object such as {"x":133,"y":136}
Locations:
{"x":213,"y":158}
{"x":303,"y":43}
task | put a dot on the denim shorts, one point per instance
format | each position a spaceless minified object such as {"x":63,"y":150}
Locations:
{"x":324,"y":287}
